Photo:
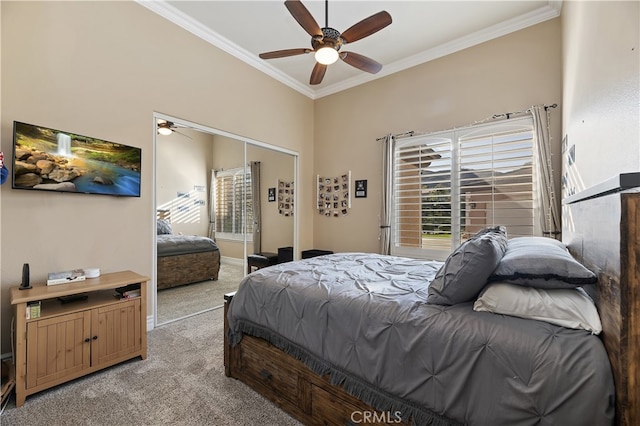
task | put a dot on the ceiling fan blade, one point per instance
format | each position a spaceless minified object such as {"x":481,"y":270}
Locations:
{"x":361,"y":62}
{"x":366,"y":27}
{"x":318,"y":73}
{"x":304,"y":17}
{"x":284,"y":53}
{"x":183,"y":134}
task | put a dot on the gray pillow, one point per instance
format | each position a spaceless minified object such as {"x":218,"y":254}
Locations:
{"x":541,"y":262}
{"x":163,"y":227}
{"x":465,"y":272}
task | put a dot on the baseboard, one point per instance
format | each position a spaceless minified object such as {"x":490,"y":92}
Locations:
{"x":232,"y":261}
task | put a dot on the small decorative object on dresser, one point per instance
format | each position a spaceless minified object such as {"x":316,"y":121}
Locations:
{"x":65,"y":277}
{"x":92,"y":272}
{"x":25,"y":285}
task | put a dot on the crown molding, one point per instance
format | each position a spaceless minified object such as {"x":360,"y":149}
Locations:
{"x":186,"y":22}
{"x":162,"y":8}
{"x":498,"y":30}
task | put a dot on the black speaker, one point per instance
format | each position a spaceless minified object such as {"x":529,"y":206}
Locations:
{"x":25,"y":277}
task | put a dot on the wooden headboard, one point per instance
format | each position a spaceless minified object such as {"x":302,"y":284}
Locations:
{"x":601,"y":227}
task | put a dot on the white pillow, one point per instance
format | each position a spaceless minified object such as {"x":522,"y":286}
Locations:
{"x":571,"y":308}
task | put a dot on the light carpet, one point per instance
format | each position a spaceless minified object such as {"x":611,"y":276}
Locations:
{"x":181,"y":382}
{"x":178,"y":302}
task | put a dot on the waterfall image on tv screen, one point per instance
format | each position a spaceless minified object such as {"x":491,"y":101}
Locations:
{"x":53,"y":160}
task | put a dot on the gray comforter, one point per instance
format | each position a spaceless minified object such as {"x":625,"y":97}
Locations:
{"x":363,"y":319}
{"x":171,"y":245}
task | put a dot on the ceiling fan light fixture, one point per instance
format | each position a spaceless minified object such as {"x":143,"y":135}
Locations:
{"x":163,"y":130}
{"x":326,"y":55}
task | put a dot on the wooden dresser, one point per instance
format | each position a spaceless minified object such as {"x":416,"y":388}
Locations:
{"x":70,"y":340}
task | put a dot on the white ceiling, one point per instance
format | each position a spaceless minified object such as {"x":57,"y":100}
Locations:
{"x":421,"y":31}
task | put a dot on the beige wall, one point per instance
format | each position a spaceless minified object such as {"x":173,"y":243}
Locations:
{"x":511,"y":73}
{"x":101,"y":69}
{"x":601,"y":93}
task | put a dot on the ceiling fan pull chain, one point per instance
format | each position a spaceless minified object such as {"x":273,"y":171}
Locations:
{"x":326,"y":13}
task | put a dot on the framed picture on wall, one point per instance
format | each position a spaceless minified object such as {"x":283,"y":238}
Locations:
{"x":361,"y":188}
{"x":334,"y":195}
{"x":286,"y":196}
{"x":271,"y":196}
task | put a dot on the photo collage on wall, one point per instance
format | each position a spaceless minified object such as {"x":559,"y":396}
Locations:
{"x":285,"y":198}
{"x":334,"y":195}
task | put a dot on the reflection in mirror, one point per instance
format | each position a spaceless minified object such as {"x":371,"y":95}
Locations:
{"x":276,"y":176}
{"x":205,"y":206}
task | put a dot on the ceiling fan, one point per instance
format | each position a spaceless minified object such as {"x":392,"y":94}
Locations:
{"x":326,"y":42}
{"x":168,"y":127}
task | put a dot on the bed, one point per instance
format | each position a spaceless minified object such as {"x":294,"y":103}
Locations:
{"x":405,"y":360}
{"x":184,"y":259}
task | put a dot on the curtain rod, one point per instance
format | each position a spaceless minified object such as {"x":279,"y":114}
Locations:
{"x":398,"y":135}
{"x":509,"y":114}
{"x":493,"y":117}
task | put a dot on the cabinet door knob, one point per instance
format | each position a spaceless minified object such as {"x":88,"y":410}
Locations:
{"x":94,"y":337}
{"x":87,"y":340}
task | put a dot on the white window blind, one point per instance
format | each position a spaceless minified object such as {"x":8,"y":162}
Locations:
{"x":233,"y":193}
{"x":449,"y":185}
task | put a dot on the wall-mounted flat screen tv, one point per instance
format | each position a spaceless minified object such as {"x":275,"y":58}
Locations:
{"x":53,"y":160}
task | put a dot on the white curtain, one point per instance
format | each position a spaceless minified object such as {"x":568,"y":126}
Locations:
{"x":385,"y":210}
{"x":548,"y":209}
{"x":212,"y":206}
{"x":257,"y":216}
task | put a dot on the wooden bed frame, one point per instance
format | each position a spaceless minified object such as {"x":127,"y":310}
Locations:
{"x":190,"y":268}
{"x":601,"y":227}
{"x":291,"y":385}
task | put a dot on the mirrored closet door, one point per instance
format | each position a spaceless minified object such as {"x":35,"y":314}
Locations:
{"x":219,"y":198}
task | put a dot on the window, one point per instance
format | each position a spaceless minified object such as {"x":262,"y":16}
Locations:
{"x":232,"y":194}
{"x":449,"y":185}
